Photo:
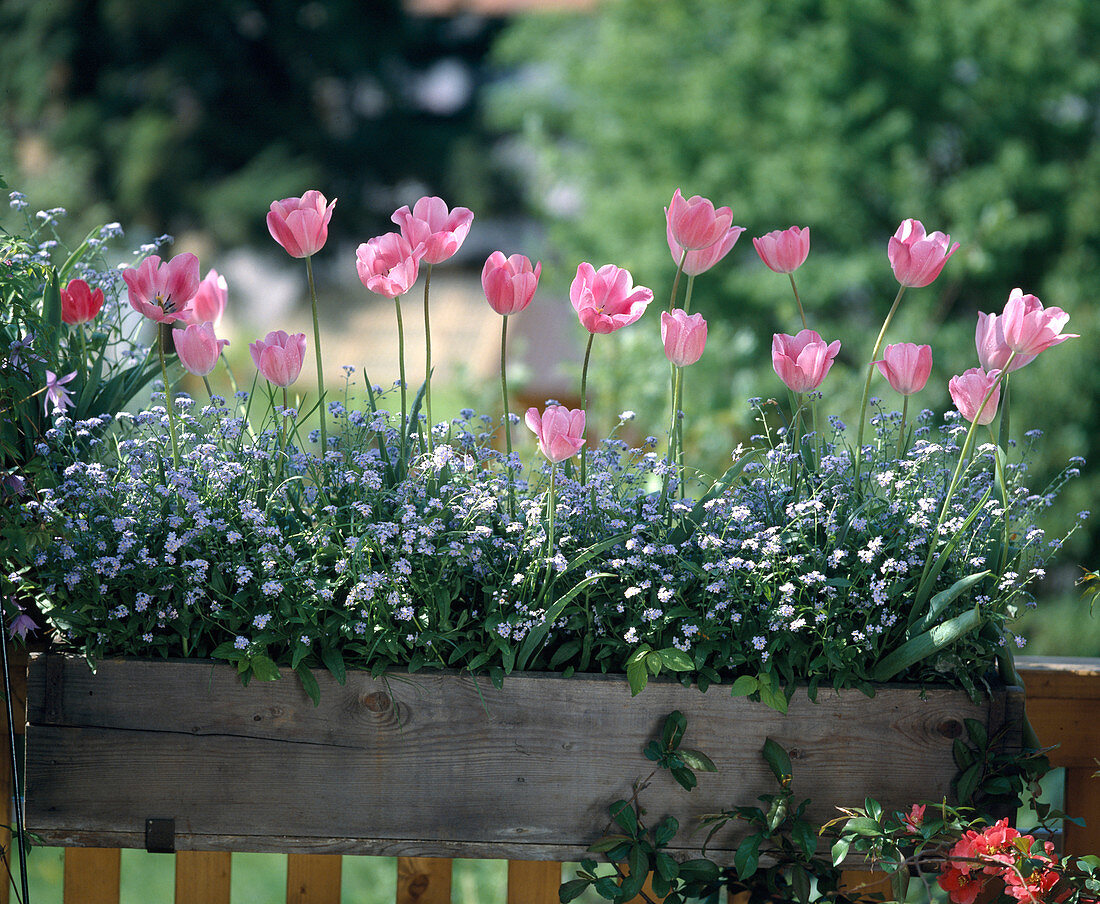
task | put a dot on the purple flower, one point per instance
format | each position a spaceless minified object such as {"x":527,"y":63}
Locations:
{"x":56,"y":393}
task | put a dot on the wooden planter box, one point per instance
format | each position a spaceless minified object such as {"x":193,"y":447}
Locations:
{"x":438,"y":764}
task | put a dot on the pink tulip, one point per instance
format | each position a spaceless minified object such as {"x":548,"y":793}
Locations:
{"x":684,"y":336}
{"x":784,"y":250}
{"x":702,"y":260}
{"x":916,"y":258}
{"x":694,"y":223}
{"x":605,"y":300}
{"x":906,"y":366}
{"x":79,"y":304}
{"x":209,"y":301}
{"x":441,"y":232}
{"x":163,"y":292}
{"x":969,"y":390}
{"x":802,"y":361}
{"x":198,"y":348}
{"x":993,"y":351}
{"x":1029,"y":328}
{"x":388,"y":264}
{"x":278,"y":356}
{"x":300,"y":225}
{"x":560,"y":431}
{"x":509,"y":282}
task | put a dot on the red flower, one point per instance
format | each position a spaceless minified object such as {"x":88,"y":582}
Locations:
{"x":960,"y":885}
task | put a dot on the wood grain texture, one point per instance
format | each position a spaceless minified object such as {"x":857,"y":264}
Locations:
{"x":533,"y":882}
{"x":203,"y":877}
{"x":423,"y":880}
{"x":1082,"y":800}
{"x":442,"y":764}
{"x":313,"y":879}
{"x":91,"y":876}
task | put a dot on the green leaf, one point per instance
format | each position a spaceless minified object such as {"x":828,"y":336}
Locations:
{"x":637,"y":676}
{"x":684,"y":777}
{"x":696,"y":759}
{"x":653,"y":662}
{"x":309,"y":684}
{"x":607,"y":888}
{"x":924,"y":645}
{"x":744,"y":686}
{"x":977,"y":733}
{"x":773,"y":696}
{"x":334,"y":662}
{"x":639,"y":865}
{"x":963,"y":755}
{"x":227,"y":651}
{"x":679,"y":535}
{"x":747,"y":857}
{"x":574,"y":888}
{"x":779,"y":761}
{"x":667,"y":868}
{"x":607,"y":843}
{"x":263,"y":667}
{"x":803,"y":834}
{"x":623,"y":813}
{"x":666,"y":830}
{"x":862,"y":825}
{"x":968,"y":783}
{"x":538,"y":633}
{"x":676,"y":660}
{"x":840,"y":850}
{"x":699,"y":870}
{"x":673,"y":733}
{"x":945,"y":597}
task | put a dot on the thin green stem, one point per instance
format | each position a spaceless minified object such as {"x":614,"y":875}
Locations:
{"x":209,"y":389}
{"x":798,"y":301}
{"x":507,"y":415}
{"x":428,"y":357}
{"x":687,"y":292}
{"x":904,"y":424}
{"x":676,"y":281}
{"x":317,"y":352}
{"x":867,"y":386}
{"x":680,"y":426}
{"x":168,"y":404}
{"x":550,"y":514}
{"x":283,"y":439}
{"x":584,"y":404}
{"x":672,"y":434}
{"x":401,"y":369}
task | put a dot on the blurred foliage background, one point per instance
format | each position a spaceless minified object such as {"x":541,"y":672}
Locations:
{"x":978,"y":117}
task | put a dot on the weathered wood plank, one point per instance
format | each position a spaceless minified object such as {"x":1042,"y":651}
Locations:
{"x":91,"y":876}
{"x":533,"y":882}
{"x":423,"y":880}
{"x":1060,"y":677}
{"x":440,"y":763}
{"x":203,"y":877}
{"x":1072,"y":725}
{"x":313,"y":879}
{"x":1082,"y":800}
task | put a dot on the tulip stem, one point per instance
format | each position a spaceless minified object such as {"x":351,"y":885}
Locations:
{"x":584,"y":404}
{"x":507,"y":415}
{"x":687,"y":292}
{"x":428,"y":356}
{"x":798,"y":301}
{"x":867,"y":386}
{"x":401,"y":369}
{"x":317,"y":351}
{"x":161,"y":330}
{"x":550,"y":514}
{"x":670,"y":461}
{"x":676,"y":281}
{"x":904,"y":423}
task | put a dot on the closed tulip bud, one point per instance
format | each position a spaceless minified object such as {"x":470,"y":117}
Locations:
{"x":917,"y":258}
{"x":209,"y":301}
{"x":970,"y":389}
{"x":684,"y":336}
{"x":387,"y":264}
{"x":560,"y":431}
{"x":784,"y":250}
{"x":300,"y":225}
{"x":906,"y":366}
{"x":509,"y":282}
{"x":431,"y":224}
{"x":694,"y":223}
{"x":198,"y":348}
{"x":79,"y":304}
{"x":802,"y":361}
{"x":163,"y":291}
{"x":1029,"y":328}
{"x":606,"y":300}
{"x":279,"y":356}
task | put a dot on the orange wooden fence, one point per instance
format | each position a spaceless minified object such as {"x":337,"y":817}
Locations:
{"x":1063,"y":700}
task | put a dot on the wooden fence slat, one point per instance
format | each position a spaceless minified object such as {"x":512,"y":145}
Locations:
{"x":17,"y":663}
{"x":92,"y":875}
{"x":203,"y":877}
{"x":865,"y":881}
{"x":533,"y":882}
{"x":313,"y":879}
{"x":423,"y":880}
{"x":1082,"y":800}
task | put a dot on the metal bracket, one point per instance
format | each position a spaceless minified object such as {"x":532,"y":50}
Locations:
{"x":160,"y":836}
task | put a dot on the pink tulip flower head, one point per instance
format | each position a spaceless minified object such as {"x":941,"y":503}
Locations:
{"x":606,"y":300}
{"x":509,"y":282}
{"x":784,"y":250}
{"x":198,"y":348}
{"x":917,"y":258}
{"x":278,"y":356}
{"x":993,"y":351}
{"x":968,"y":391}
{"x":694,"y":223}
{"x":802,"y":361}
{"x":703,"y":259}
{"x":441,"y":231}
{"x":684,"y":336}
{"x":56,"y":393}
{"x":387,"y":264}
{"x":300,"y":225}
{"x":79,"y":304}
{"x":209,"y":301}
{"x":1029,"y":328}
{"x":906,"y":366}
{"x":560,"y":431}
{"x":163,"y":291}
